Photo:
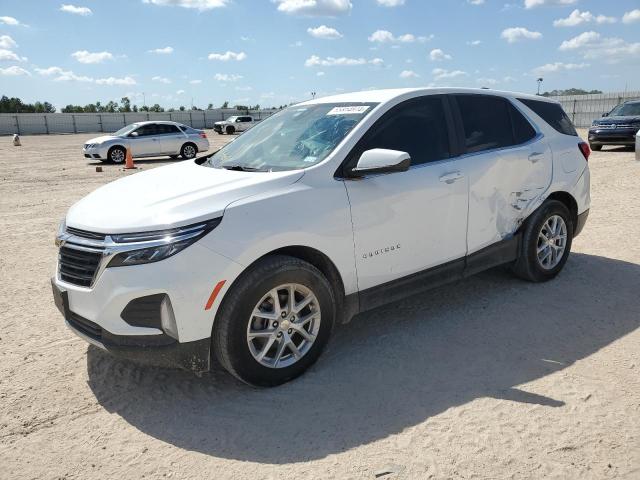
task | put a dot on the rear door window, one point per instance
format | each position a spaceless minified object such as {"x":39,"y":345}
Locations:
{"x":486,"y":121}
{"x":522,"y":129}
{"x":553,"y":114}
{"x":148,"y":130}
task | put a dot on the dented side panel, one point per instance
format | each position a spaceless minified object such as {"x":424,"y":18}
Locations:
{"x":504,"y":187}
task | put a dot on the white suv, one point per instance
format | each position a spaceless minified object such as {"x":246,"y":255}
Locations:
{"x":328,"y":208}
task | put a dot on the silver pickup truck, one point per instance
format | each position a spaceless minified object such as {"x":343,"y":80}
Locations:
{"x":235,"y":124}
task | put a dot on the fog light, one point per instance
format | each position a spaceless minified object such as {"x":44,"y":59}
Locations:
{"x":168,"y":319}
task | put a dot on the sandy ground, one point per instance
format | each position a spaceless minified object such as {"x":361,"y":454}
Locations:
{"x":491,"y":377}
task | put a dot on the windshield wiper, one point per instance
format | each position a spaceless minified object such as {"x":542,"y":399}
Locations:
{"x":242,"y":168}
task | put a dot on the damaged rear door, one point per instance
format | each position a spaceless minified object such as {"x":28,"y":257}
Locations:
{"x":508,"y":163}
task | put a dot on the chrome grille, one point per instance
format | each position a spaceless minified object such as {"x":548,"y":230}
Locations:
{"x":78,"y":266}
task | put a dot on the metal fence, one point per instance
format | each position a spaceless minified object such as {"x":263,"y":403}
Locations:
{"x":583,"y":109}
{"x":45,"y":123}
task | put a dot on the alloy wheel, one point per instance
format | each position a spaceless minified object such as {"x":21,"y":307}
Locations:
{"x":283,"y":326}
{"x":552,"y":242}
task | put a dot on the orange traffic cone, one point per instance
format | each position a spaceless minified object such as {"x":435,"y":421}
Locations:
{"x":128,"y":162}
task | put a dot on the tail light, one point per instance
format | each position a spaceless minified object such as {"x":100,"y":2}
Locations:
{"x":203,"y":135}
{"x":585,"y":150}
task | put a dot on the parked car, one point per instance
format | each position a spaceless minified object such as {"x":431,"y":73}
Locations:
{"x":328,"y":208}
{"x":618,"y":127}
{"x":148,"y":139}
{"x":235,"y":124}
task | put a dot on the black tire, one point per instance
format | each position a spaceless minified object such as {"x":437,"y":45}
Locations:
{"x":188,"y":151}
{"x":113,"y":156}
{"x":595,"y":148}
{"x":230,"y":129}
{"x":528,"y":266}
{"x":229,"y":336}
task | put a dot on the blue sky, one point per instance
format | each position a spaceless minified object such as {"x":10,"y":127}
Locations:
{"x":274,"y":52}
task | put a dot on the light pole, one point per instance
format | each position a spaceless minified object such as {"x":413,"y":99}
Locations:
{"x":540,"y":80}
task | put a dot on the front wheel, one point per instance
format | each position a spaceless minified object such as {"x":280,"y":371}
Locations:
{"x":546,"y":242}
{"x":274,"y":322}
{"x":117,"y":155}
{"x":230,"y":129}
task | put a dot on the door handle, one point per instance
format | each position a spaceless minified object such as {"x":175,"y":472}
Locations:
{"x":450,"y":177}
{"x":535,"y":156}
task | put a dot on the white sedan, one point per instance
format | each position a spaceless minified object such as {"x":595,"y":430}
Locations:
{"x":148,"y":139}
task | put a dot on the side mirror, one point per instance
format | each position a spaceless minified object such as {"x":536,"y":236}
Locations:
{"x":134,"y":134}
{"x":605,"y":114}
{"x":381,"y":160}
{"x":238,"y":120}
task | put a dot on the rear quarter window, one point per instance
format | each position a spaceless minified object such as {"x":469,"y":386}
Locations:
{"x":553,"y":114}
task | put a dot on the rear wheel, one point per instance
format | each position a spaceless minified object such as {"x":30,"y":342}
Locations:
{"x":595,"y":148}
{"x":188,"y":151}
{"x":230,"y":129}
{"x":117,"y":154}
{"x":546,"y":243}
{"x":274,"y":322}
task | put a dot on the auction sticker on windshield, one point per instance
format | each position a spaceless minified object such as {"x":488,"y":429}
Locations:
{"x":353,"y":110}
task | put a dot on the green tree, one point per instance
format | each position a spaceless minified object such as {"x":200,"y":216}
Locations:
{"x":225,"y":104}
{"x":126,"y":104}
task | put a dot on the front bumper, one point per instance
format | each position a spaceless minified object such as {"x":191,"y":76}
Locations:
{"x":97,"y":313}
{"x":218,"y":128}
{"x":94,"y":152}
{"x":159,"y":350}
{"x":612,"y":136}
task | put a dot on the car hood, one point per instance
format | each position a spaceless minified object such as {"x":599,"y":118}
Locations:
{"x":169,"y":196}
{"x":618,"y":120}
{"x":103,"y":138}
{"x":221,"y":122}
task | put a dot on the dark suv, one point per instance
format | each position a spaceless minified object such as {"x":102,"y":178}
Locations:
{"x":618,"y":127}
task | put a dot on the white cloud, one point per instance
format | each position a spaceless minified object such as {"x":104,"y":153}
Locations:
{"x":442,"y":74}
{"x":160,"y":79}
{"x":7,"y":42}
{"x":558,"y":67}
{"x":515,"y":34}
{"x":244,"y":89}
{"x":487,"y":81}
{"x":201,"y":5}
{"x":474,"y":43}
{"x":9,"y":21}
{"x":195,"y":82}
{"x":476,"y":2}
{"x":62,"y":75}
{"x":390,"y":3}
{"x":162,"y":51}
{"x":591,"y":45}
{"x":14,"y":71}
{"x":9,"y":56}
{"x":296,"y":44}
{"x":385,"y":36}
{"x":228,"y":55}
{"x":580,"y":41}
{"x":408,"y":74}
{"x":320,"y":74}
{"x":84,"y":11}
{"x":437,"y":55}
{"x":225,"y":77}
{"x":315,"y":8}
{"x":577,"y":18}
{"x":316,"y":61}
{"x":632,"y":16}
{"x":83,"y":56}
{"x":324,"y":32}
{"x":116,"y":81}
{"x":179,"y":92}
{"x":538,"y":3}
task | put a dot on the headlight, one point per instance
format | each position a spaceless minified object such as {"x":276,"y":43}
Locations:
{"x":159,"y":244}
{"x":61,"y":229}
